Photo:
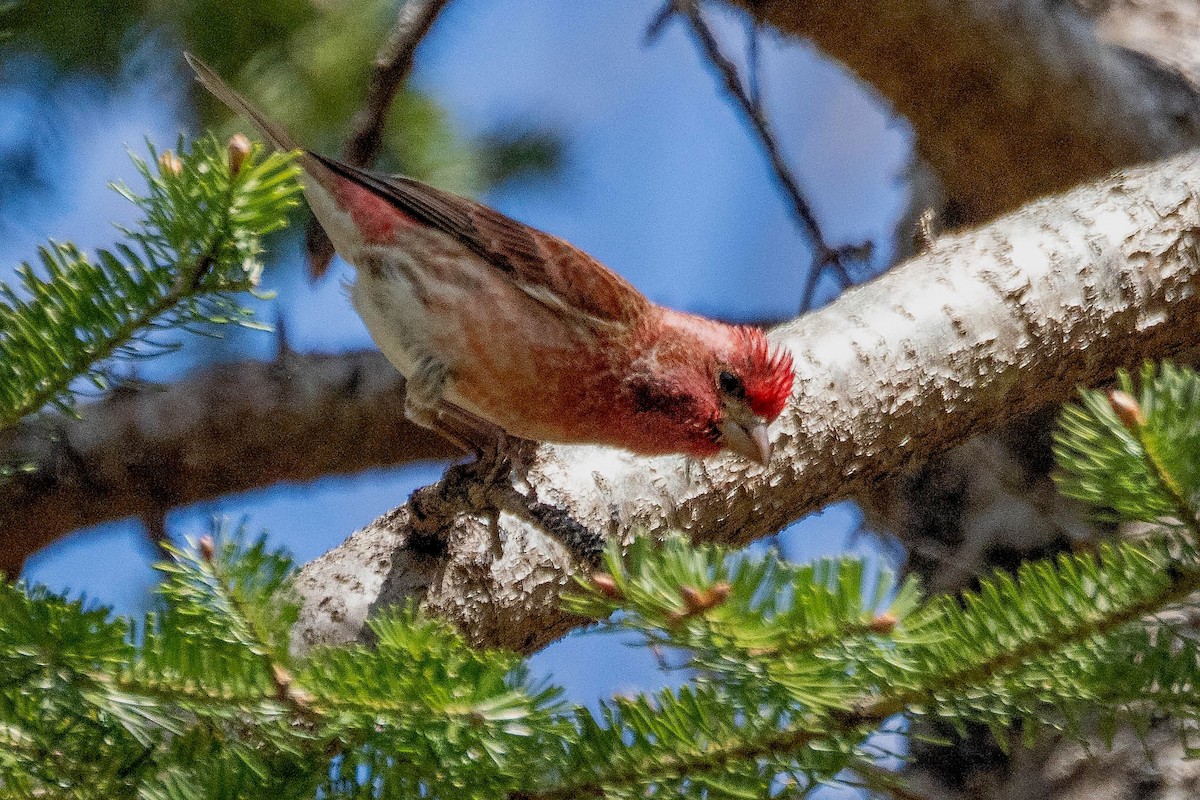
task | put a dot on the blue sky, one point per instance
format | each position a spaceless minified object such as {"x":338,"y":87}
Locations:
{"x":663,"y":182}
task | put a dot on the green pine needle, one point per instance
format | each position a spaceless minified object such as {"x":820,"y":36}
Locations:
{"x":197,"y":247}
{"x":1141,"y":472}
{"x":792,"y":667}
{"x":208,"y":679}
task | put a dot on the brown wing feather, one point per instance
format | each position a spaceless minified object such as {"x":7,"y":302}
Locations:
{"x":542,"y":265}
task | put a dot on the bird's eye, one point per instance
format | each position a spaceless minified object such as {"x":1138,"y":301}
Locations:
{"x":731,"y":385}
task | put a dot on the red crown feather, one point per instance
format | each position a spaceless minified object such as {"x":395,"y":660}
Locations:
{"x":767,"y":373}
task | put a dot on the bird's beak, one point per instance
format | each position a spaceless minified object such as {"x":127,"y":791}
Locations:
{"x":748,"y":439}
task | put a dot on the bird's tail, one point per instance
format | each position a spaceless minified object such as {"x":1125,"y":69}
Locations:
{"x":222,"y":91}
{"x":277,"y":136}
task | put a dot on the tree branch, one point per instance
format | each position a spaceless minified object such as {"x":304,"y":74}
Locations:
{"x":146,"y":449}
{"x":392,"y":65}
{"x":987,"y":326}
{"x":690,"y":9}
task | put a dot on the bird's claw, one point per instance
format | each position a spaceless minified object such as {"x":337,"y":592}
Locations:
{"x":495,"y":460}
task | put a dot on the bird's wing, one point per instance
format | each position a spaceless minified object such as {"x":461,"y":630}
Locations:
{"x":548,"y":269}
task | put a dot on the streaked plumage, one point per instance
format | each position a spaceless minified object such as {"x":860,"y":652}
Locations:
{"x":525,"y":331}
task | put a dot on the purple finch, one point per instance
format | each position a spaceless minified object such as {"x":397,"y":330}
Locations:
{"x":495,"y":323}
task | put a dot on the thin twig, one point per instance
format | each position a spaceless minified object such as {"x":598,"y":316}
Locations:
{"x":658,"y":22}
{"x":393,"y":63}
{"x":392,"y":66}
{"x":762,"y":126}
{"x":753,"y":65}
{"x":825,"y":257}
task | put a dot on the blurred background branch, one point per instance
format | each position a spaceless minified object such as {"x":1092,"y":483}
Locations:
{"x":146,"y":448}
{"x":388,"y":73}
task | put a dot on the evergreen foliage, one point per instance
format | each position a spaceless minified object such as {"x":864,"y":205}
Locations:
{"x":793,"y":667}
{"x":1144,"y":467}
{"x":796,"y":666}
{"x":196,"y":248}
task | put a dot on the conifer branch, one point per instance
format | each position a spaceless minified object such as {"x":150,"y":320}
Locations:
{"x":863,"y":715}
{"x":210,"y":666}
{"x":198,"y":244}
{"x":121,"y":336}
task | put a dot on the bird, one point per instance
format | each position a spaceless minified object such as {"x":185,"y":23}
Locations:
{"x":503,"y":330}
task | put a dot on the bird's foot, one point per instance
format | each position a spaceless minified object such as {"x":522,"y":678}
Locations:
{"x":475,"y":484}
{"x":491,"y":447}
{"x":481,"y":485}
{"x":494,"y":459}
{"x":484,"y":483}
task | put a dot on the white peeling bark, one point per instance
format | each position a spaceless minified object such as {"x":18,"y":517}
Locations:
{"x":989,"y":325}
